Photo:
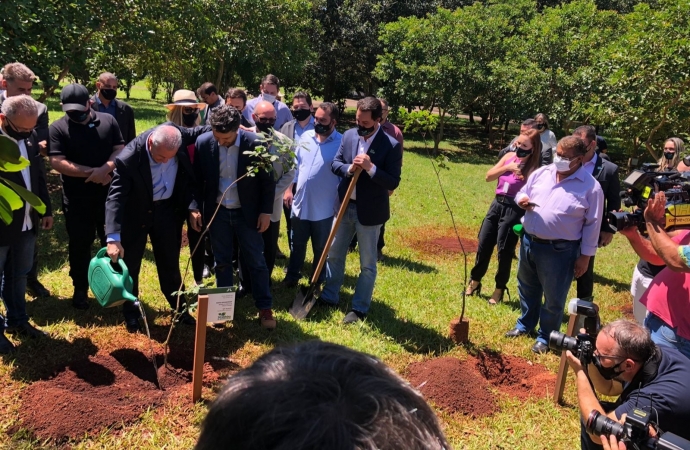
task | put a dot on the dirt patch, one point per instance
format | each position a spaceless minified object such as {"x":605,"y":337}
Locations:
{"x":515,"y":376}
{"x":454,"y":386}
{"x":443,"y":241}
{"x":459,"y":330}
{"x":465,"y":386}
{"x":103,"y":391}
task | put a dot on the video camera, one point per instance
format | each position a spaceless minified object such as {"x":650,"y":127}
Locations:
{"x":634,"y":432}
{"x":640,"y":187}
{"x":582,"y":346}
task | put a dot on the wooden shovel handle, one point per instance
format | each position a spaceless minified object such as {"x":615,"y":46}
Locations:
{"x":336,"y":224}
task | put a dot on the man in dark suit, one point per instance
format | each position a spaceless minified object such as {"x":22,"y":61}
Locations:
{"x":380,"y":157}
{"x":244,"y":203}
{"x":17,"y":240}
{"x":19,"y":80}
{"x":149,"y":197}
{"x":606,"y":173}
{"x":104,"y":101}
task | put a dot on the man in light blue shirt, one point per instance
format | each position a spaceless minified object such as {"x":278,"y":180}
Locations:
{"x":270,"y":88}
{"x":316,"y":196}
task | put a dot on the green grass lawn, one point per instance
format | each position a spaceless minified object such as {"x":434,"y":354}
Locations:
{"x":416,"y":296}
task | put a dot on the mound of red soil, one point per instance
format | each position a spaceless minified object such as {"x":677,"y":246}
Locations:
{"x":101,"y":391}
{"x":451,"y":244}
{"x":515,"y":376}
{"x":464,"y":386}
{"x":454,"y":386}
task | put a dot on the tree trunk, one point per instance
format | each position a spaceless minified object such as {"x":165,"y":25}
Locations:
{"x":438,"y":135}
{"x":219,"y":75}
{"x":48,"y":90}
{"x":471,"y":116}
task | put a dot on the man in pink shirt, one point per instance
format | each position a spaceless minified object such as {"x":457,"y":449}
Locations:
{"x":564,"y":205}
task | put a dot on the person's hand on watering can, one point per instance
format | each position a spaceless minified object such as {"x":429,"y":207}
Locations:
{"x":115,"y":250}
{"x":195,"y":220}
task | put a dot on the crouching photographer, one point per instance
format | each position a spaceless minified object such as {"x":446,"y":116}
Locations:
{"x":623,"y":361}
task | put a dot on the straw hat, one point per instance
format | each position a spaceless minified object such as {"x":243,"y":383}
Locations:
{"x":184,"y":97}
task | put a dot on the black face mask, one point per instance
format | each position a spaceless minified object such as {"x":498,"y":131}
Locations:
{"x":669,"y":156}
{"x":363,"y":131}
{"x":109,"y":94}
{"x":607,"y":373}
{"x":301,"y":114}
{"x":322,"y":129}
{"x":14,"y":134}
{"x":522,"y":153}
{"x":77,"y":116}
{"x":264,"y":127}
{"x":189,"y":120}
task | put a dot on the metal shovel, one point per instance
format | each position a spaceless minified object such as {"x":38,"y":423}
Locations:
{"x":306,"y":296}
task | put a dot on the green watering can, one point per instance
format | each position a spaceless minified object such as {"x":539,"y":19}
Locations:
{"x":110,"y":283}
{"x":518,"y":229}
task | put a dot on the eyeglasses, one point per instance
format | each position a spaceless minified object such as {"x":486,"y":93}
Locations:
{"x":17,"y":129}
{"x":266,"y":120}
{"x":601,"y":355}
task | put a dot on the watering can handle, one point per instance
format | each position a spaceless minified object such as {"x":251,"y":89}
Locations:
{"x":102,"y":253}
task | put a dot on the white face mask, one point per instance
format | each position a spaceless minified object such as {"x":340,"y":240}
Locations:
{"x":268,"y":97}
{"x":562,"y":165}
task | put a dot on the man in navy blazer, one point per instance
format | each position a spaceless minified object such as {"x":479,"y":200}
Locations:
{"x":380,"y":158}
{"x":149,"y":197}
{"x":17,"y":240}
{"x":244,"y":208}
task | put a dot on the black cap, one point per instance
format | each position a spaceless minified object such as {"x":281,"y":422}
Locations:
{"x":74,"y":96}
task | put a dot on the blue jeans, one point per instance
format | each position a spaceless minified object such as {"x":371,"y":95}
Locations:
{"x":227,"y":222}
{"x":302,"y":231}
{"x":544,"y":269}
{"x":665,"y":336}
{"x":367,"y":237}
{"x":15,"y":263}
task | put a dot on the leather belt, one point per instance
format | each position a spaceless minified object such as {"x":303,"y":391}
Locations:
{"x":504,"y":199}
{"x":539,"y":240}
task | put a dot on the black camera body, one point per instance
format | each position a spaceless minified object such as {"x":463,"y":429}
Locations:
{"x":583,"y":345}
{"x":640,"y":187}
{"x":634,"y":432}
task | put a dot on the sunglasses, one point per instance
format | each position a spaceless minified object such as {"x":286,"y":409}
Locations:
{"x":266,"y":120}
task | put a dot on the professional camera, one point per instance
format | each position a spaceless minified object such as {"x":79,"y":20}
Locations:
{"x":582,"y":346}
{"x":641,"y":186}
{"x":634,"y":432}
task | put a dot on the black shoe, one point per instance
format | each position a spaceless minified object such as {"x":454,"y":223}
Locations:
{"x":186,"y":319}
{"x":207,"y":272}
{"x":35,"y":289}
{"x":241,"y":292}
{"x":27,"y":330}
{"x":80,"y":300}
{"x":516,"y":332}
{"x":289,"y":283}
{"x":132,"y":324}
{"x":280,"y":255}
{"x":540,"y":348}
{"x":352,"y":249}
{"x":353,"y":316}
{"x":379,"y":255}
{"x":323,"y":303}
{"x":6,"y":347}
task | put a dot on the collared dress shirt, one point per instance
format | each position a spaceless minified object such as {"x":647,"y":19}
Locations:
{"x":299,"y":131}
{"x":110,"y":109}
{"x":228,"y":174}
{"x":363,"y":147}
{"x":316,"y":195}
{"x":571,"y":209}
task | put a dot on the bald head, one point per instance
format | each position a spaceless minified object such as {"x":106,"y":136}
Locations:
{"x":265,"y":109}
{"x":107,"y":77}
{"x":264,"y":116}
{"x":164,"y":142}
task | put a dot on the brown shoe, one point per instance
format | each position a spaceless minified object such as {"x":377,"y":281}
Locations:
{"x":267,"y":320}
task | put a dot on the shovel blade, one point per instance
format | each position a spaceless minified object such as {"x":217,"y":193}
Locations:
{"x":303,"y":303}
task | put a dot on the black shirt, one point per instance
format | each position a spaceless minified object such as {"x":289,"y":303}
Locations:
{"x":89,"y":144}
{"x":649,"y":270}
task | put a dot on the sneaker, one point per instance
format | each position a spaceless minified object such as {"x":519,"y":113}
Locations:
{"x":35,"y":289}
{"x":267,"y":320}
{"x":80,"y":299}
{"x":353,"y":316}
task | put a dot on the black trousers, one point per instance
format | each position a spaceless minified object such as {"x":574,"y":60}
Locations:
{"x":166,"y":239}
{"x":287,"y":211}
{"x":497,"y":230}
{"x":32,"y":276}
{"x":84,"y":220}
{"x":270,"y":237}
{"x":203,"y":255}
{"x":585,"y":284}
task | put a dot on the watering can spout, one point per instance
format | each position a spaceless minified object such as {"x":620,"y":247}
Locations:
{"x":110,"y":282}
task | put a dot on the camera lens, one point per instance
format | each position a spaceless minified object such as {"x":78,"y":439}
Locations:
{"x":598,"y":425}
{"x":560,"y":341}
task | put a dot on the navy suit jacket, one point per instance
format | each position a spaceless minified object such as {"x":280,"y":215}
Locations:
{"x":10,"y":233}
{"x":129,"y":206}
{"x":373,"y":207}
{"x":606,"y":173}
{"x":255,"y":192}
